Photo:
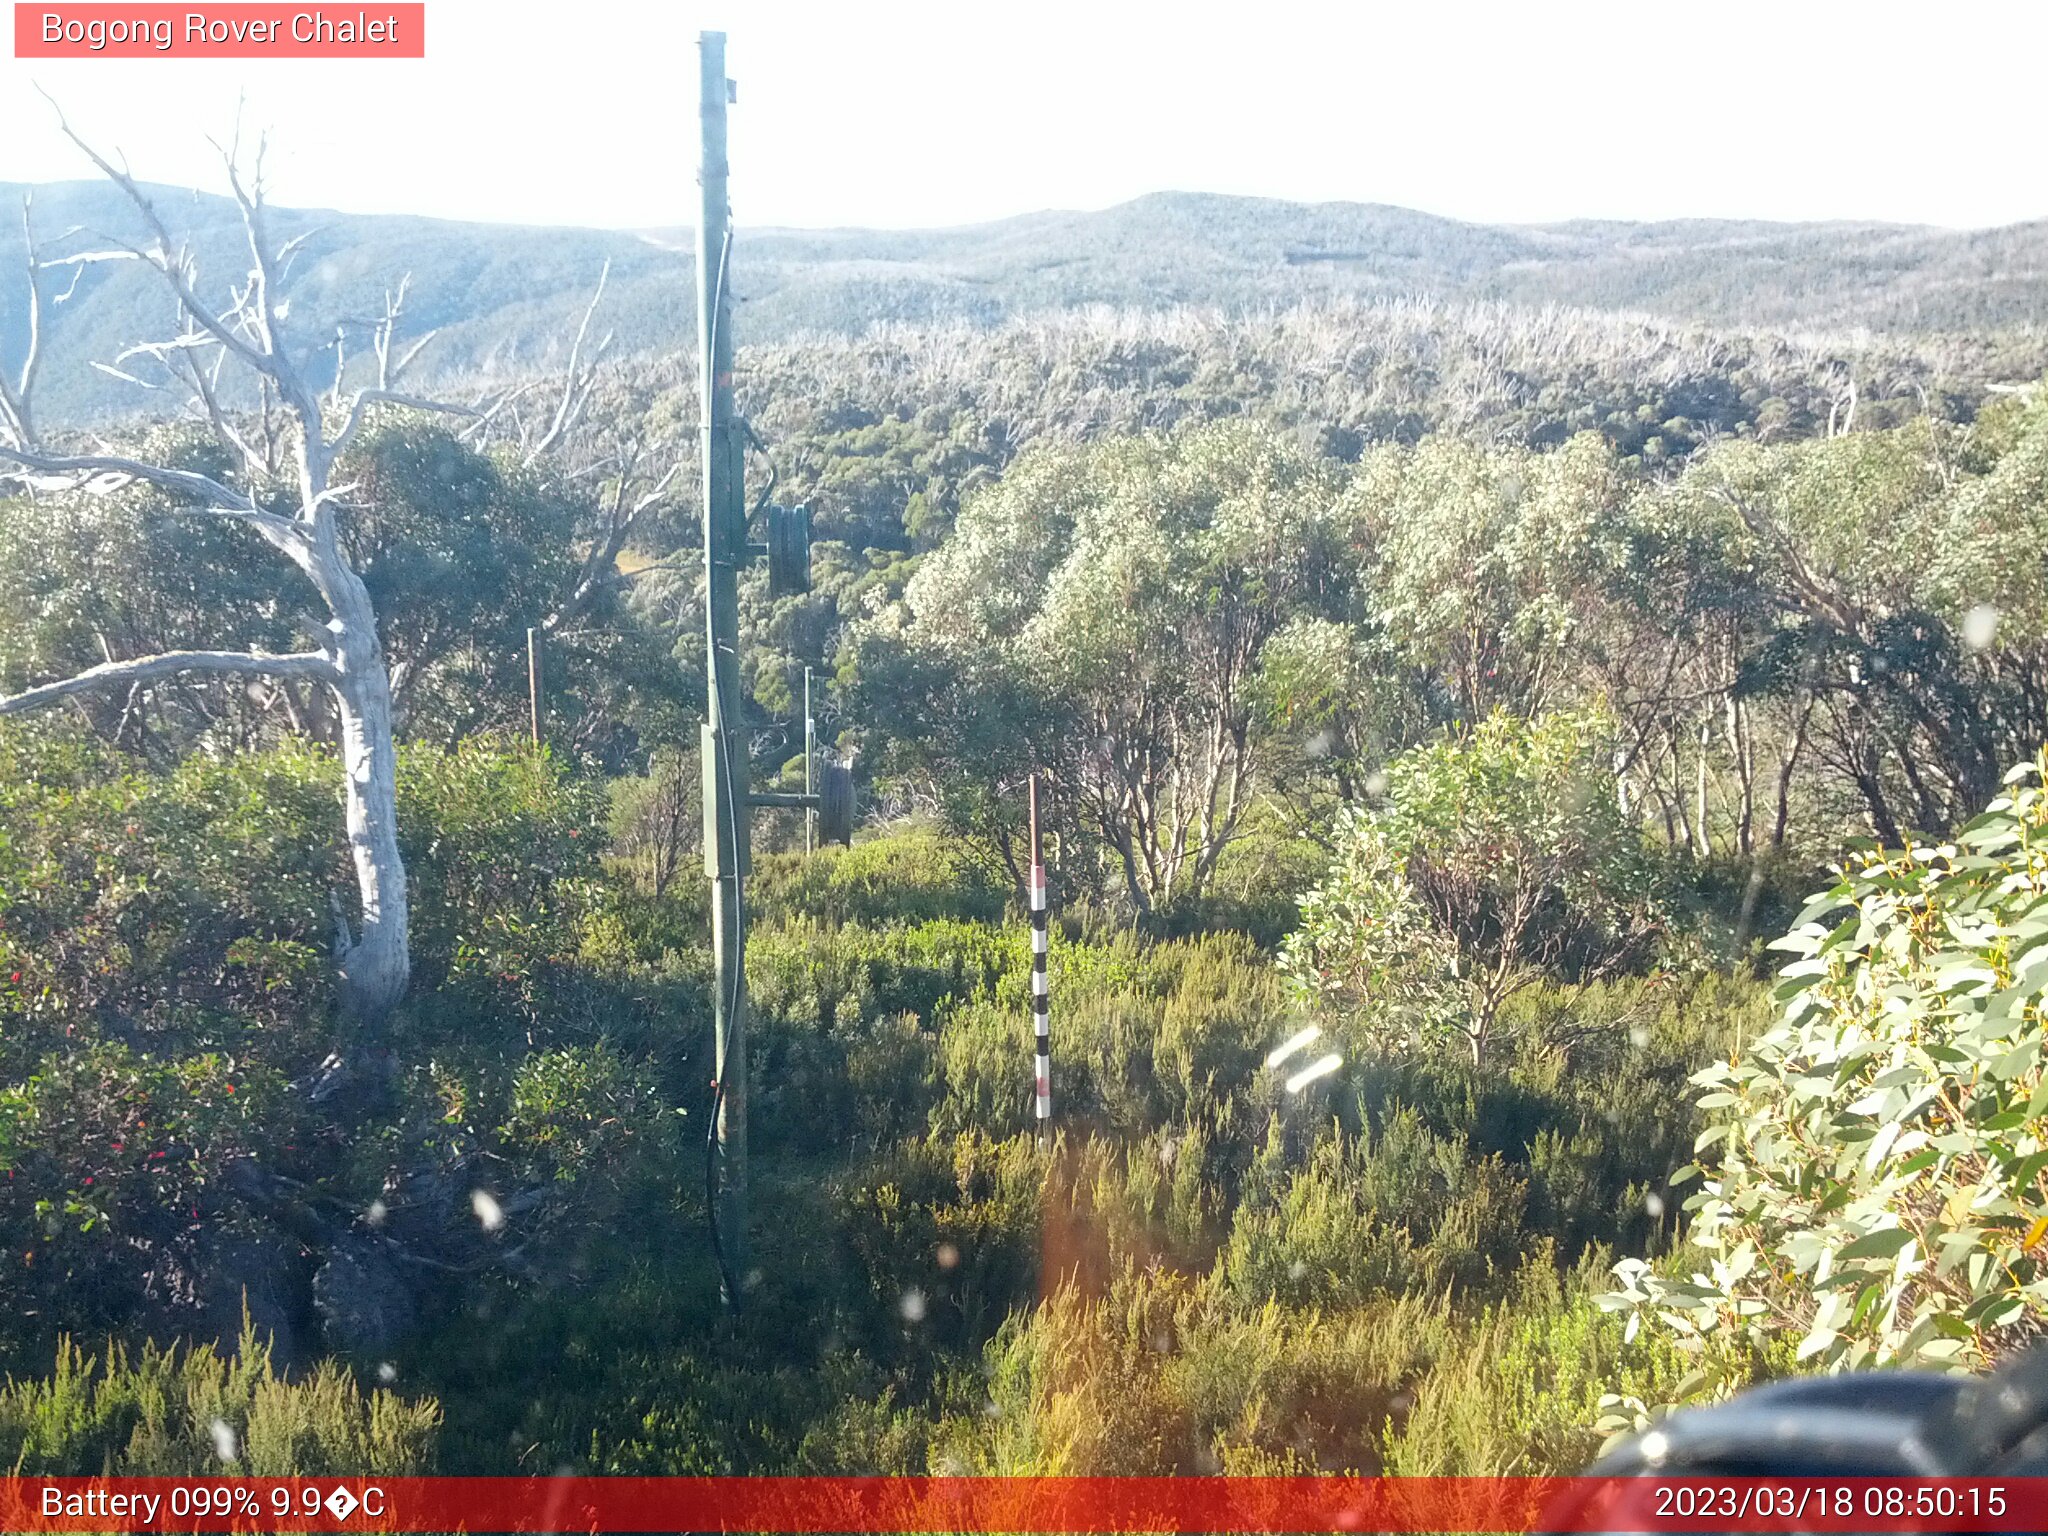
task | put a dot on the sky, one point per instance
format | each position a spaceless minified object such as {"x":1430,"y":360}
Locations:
{"x":914,"y":115}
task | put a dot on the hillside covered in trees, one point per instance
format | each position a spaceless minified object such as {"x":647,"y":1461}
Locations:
{"x":1486,"y":689}
{"x":503,"y":298}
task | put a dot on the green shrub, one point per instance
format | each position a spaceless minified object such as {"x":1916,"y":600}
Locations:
{"x":1365,"y":1217}
{"x":198,"y":1412}
{"x":1225,"y":1012}
{"x":1156,"y":1374}
{"x":1145,"y":1035}
{"x":502,"y":847}
{"x":583,"y":1114}
{"x":984,"y":1059}
{"x":115,"y":1167}
{"x":943,"y":1236}
{"x":1522,"y":1388}
{"x":908,"y":875}
{"x":811,"y":974}
{"x":187,"y":908}
{"x":163,"y":985}
{"x":1497,"y":857}
{"x":1152,"y":1200}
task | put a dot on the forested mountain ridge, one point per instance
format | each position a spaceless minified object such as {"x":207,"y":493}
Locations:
{"x":1209,"y":249}
{"x":496,"y":292}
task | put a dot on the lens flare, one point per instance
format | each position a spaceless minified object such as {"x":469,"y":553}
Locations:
{"x":1321,"y":1067}
{"x":1293,"y":1045}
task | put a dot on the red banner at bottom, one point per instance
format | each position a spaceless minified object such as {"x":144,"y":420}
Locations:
{"x":1023,"y":1504}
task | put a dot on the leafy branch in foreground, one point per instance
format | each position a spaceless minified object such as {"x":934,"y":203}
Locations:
{"x":1873,"y":1181}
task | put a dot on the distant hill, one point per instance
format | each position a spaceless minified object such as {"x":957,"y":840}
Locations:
{"x":504,"y":296}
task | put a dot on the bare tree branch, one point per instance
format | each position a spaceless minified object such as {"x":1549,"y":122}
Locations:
{"x":168,"y":257}
{"x":1828,"y":603}
{"x":579,"y":377}
{"x":340,"y":362}
{"x":479,"y":430}
{"x":261,"y":466}
{"x":80,"y":259}
{"x":309,"y":664}
{"x":264,"y":307}
{"x":14,"y":397}
{"x":412,"y":352}
{"x":122,"y":374}
{"x":89,"y":472}
{"x":380,"y":339}
{"x":365,"y":398}
{"x":600,"y":565}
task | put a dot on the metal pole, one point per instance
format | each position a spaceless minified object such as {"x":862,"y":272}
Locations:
{"x":726,"y":833}
{"x":533,"y":680}
{"x":1041,"y":996}
{"x":810,"y":753}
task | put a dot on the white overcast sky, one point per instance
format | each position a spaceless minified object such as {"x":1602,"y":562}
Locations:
{"x":580,"y":111}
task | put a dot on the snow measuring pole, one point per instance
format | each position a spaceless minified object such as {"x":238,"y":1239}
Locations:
{"x":725,"y":742}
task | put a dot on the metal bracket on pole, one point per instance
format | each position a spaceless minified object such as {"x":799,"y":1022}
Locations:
{"x":832,"y":804}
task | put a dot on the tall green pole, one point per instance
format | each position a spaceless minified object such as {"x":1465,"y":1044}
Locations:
{"x":724,"y":740}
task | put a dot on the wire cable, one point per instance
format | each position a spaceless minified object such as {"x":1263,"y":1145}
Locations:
{"x":739,"y":910}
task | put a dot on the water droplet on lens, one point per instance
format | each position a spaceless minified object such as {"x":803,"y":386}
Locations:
{"x":487,"y":1209}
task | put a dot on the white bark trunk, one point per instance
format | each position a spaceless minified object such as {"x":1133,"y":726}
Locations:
{"x":376,"y":961}
{"x":378,"y":964}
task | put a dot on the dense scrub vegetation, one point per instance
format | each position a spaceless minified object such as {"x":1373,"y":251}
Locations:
{"x":1281,"y":1271}
{"x":1451,"y":701}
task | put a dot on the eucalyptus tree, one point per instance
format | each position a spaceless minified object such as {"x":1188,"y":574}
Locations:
{"x":1670,"y":637}
{"x":1478,"y":563}
{"x":281,"y":439}
{"x":1903,"y":567}
{"x":1101,"y":615}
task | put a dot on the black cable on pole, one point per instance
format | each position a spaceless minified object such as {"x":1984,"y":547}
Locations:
{"x":739,"y":910}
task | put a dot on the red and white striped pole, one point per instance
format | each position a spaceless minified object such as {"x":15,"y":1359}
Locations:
{"x":1041,"y":999}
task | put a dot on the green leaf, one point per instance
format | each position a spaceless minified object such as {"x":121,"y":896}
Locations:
{"x":2016,"y":1061}
{"x":1882,"y":1244}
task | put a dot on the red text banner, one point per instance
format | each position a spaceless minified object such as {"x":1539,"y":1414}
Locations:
{"x":1020,"y":1504}
{"x":226,"y":31}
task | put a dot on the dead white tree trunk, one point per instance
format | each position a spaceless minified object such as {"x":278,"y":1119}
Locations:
{"x":372,"y":955}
